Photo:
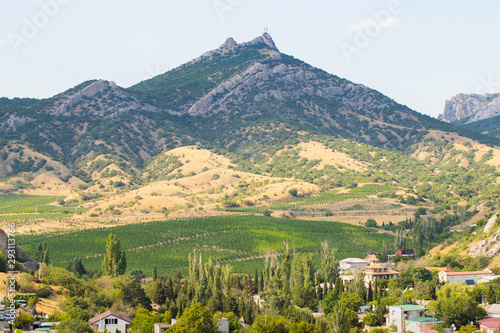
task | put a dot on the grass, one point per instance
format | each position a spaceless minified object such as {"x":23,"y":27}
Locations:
{"x":239,"y":240}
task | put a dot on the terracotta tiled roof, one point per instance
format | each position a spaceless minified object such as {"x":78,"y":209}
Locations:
{"x":490,"y":322}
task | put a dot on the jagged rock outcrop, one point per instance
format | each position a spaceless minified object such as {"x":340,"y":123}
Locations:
{"x":15,"y":122}
{"x":472,"y":107}
{"x":488,"y":247}
{"x":491,"y":223}
{"x":229,"y":43}
{"x":4,"y":246}
{"x":266,"y":39}
{"x":111,"y":101}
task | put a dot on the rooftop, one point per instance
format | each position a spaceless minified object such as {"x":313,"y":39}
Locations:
{"x":494,"y":308}
{"x":353,"y":260}
{"x":490,"y":322}
{"x":408,"y":307}
{"x":425,"y":320}
{"x":375,"y":266}
{"x":107,"y":314}
{"x":485,"y":272}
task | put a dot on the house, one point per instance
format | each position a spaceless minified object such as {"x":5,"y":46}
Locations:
{"x":410,"y":317}
{"x":355,"y":263}
{"x":468,"y":278}
{"x":419,"y":324}
{"x":110,"y":321}
{"x":404,"y":254}
{"x":376,"y":272}
{"x":486,"y":279}
{"x":489,"y":324}
{"x":161,"y":327}
{"x":494,"y":311}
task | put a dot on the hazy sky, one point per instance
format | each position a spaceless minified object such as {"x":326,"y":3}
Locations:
{"x":418,"y":52}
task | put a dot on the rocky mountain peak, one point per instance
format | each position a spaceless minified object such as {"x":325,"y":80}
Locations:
{"x":229,"y":43}
{"x":266,"y":39}
{"x":472,"y":107}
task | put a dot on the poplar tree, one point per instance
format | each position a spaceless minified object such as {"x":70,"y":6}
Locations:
{"x":114,"y":262}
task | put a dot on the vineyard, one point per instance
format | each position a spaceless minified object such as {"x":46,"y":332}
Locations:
{"x":332,"y":202}
{"x":242,"y":241}
{"x":20,"y":207}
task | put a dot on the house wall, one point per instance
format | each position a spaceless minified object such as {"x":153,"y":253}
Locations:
{"x":346,"y":265}
{"x":418,"y":327}
{"x":461,"y":278}
{"x":397,"y":317}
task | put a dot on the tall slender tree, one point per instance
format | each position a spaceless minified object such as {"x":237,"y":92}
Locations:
{"x":114,"y":262}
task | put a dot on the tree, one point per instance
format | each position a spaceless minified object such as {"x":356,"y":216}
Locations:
{"x":303,"y":327}
{"x":490,"y":295}
{"x":454,"y":305}
{"x":114,"y":262}
{"x":143,"y":321}
{"x":270,"y":324}
{"x":155,"y":274}
{"x":195,"y":319}
{"x":340,"y":320}
{"x":371,"y":223}
{"x":77,"y":268}
{"x":42,"y":254}
{"x":293,"y":192}
{"x":3,"y":263}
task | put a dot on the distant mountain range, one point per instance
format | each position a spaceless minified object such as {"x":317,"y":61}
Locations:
{"x":249,"y":99}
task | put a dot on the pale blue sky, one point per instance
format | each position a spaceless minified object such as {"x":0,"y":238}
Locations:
{"x":418,"y":52}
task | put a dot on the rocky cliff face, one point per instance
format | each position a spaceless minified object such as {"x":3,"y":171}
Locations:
{"x":471,"y":107}
{"x":489,"y":247}
{"x":4,"y":247}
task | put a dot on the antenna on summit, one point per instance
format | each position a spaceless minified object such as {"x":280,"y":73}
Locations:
{"x":266,"y":30}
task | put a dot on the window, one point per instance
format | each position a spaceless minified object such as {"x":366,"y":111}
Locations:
{"x":111,"y":321}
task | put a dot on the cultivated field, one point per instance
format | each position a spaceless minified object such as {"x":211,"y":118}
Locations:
{"x":241,"y":241}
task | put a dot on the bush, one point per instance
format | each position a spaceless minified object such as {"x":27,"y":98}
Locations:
{"x":371,"y":223}
{"x":293,"y":192}
{"x":44,"y":292}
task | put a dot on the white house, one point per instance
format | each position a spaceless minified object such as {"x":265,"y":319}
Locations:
{"x":399,"y":314}
{"x":160,"y":327}
{"x":411,"y":318}
{"x":468,"y":278}
{"x":420,"y":324}
{"x":356,"y":263}
{"x":110,"y":321}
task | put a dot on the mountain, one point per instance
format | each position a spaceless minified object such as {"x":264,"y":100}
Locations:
{"x":247,"y":99}
{"x":474,"y":112}
{"x":226,"y":92}
{"x":468,"y":108}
